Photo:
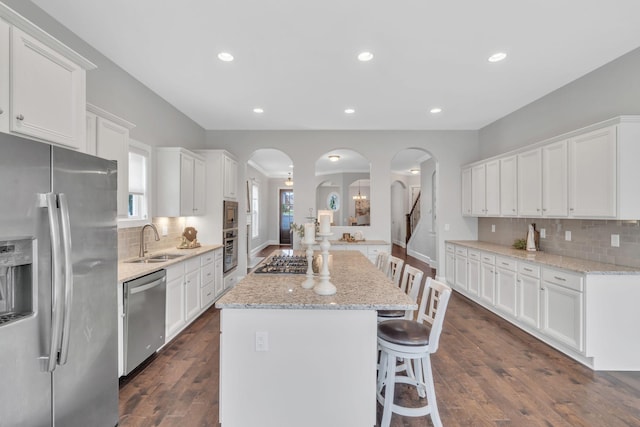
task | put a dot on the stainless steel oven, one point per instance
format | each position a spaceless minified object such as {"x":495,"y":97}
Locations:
{"x":230,"y":242}
{"x":230,"y":215}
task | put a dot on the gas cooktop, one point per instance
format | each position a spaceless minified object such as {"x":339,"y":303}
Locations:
{"x":283,"y":264}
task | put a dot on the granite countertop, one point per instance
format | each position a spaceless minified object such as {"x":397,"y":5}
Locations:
{"x":567,"y":263}
{"x":359,"y":242}
{"x":360,"y":286}
{"x":128,"y":271}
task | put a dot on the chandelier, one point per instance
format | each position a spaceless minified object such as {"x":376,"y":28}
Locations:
{"x":359,"y":196}
{"x":289,"y":181}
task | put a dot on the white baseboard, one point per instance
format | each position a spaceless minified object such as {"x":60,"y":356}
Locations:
{"x":423,"y":258}
{"x":400,"y":243}
{"x":262,"y":246}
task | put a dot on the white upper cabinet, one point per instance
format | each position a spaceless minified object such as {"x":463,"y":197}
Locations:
{"x":180,"y":183}
{"x":593,"y":174}
{"x":530,"y":183}
{"x":230,"y":178}
{"x":108,"y":137}
{"x":478,"y":183}
{"x":42,"y":84}
{"x":509,"y":186}
{"x":485,"y":189}
{"x":466,"y":192}
{"x":554,"y":179}
{"x":4,"y":76}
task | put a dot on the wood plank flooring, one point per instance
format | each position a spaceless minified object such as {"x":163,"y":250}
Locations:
{"x":487,"y":373}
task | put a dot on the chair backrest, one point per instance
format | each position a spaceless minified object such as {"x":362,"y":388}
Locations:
{"x":394,"y":269}
{"x":381,"y":261}
{"x":411,"y":282}
{"x":433,"y":306}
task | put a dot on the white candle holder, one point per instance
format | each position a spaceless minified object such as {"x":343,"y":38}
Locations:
{"x":325,"y":287}
{"x":309,"y":282}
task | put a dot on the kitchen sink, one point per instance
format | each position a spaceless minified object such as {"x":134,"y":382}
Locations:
{"x":155,"y":258}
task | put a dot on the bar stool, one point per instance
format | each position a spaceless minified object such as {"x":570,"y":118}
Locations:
{"x":381,"y":261}
{"x":410,"y":283}
{"x":413,"y":341}
{"x":394,"y":269}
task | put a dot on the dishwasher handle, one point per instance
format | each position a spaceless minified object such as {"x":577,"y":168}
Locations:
{"x":147,"y":286}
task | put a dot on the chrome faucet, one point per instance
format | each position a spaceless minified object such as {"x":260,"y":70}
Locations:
{"x":143,"y":246}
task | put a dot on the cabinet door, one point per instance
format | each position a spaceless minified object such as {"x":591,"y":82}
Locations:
{"x":530,"y":183}
{"x":562,"y":314}
{"x":593,"y":171}
{"x":230,"y":178}
{"x":474,"y":276}
{"x":112,"y":143}
{"x":461,"y":272}
{"x":4,"y":76}
{"x":198,"y":187}
{"x":506,"y":291}
{"x":451,"y":268}
{"x":192,"y":294}
{"x":487,"y":283}
{"x":478,"y":187}
{"x":466,"y":192}
{"x":186,"y":185}
{"x":492,"y":188}
{"x":529,"y":301}
{"x":509,"y":186}
{"x":219,"y":280}
{"x":47,"y":93}
{"x":175,"y":306}
{"x":554,"y":179}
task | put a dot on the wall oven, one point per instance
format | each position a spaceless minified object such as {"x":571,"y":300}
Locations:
{"x":230,"y":215}
{"x":230,"y":242}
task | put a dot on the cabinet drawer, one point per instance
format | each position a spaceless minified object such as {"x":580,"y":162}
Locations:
{"x":206,"y":258}
{"x":488,"y":258}
{"x":563,"y":278}
{"x":218,"y":254}
{"x":450,"y":248}
{"x":192,"y":264}
{"x":506,"y":263}
{"x":474,"y":255}
{"x":208,"y":274}
{"x":461,"y":251}
{"x":375,"y":250}
{"x":529,"y":269}
{"x":208,"y":294}
{"x":175,"y":271}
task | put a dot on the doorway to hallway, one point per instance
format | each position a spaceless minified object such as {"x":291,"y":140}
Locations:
{"x":286,"y":215}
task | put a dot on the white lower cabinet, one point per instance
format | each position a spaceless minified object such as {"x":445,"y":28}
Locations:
{"x":175,"y":300}
{"x":488,"y":279}
{"x":192,"y":289}
{"x":461,"y":268}
{"x":562,"y":307}
{"x":450,"y":266}
{"x":528,"y":280}
{"x":506,"y":286}
{"x":473,"y":272}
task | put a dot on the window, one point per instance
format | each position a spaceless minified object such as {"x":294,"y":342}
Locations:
{"x":139,"y":173}
{"x":255,"y":209}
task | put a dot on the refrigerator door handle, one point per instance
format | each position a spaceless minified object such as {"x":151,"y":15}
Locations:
{"x":68,"y":277}
{"x":57,"y":288}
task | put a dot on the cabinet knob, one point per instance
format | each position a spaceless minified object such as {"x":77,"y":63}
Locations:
{"x":1,"y":111}
{"x":20,"y":117}
{"x":538,"y":210}
{"x":571,"y":209}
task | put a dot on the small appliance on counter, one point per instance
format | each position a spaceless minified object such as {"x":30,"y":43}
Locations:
{"x":189,"y":240}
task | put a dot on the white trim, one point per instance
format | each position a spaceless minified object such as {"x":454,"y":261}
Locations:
{"x":423,"y":258}
{"x":19,"y":21}
{"x":255,"y":251}
{"x":109,"y":116}
{"x":399,"y":243}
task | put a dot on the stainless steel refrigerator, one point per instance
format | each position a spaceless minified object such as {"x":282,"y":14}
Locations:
{"x":58,"y":277}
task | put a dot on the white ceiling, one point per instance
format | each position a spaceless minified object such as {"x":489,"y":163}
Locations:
{"x":297,"y":59}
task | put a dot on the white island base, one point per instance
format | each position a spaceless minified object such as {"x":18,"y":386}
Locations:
{"x":318,"y":368}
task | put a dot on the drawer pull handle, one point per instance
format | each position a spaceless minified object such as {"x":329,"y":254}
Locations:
{"x":505,"y":263}
{"x":562,"y":279}
{"x":20,"y":117}
{"x":527,"y":269}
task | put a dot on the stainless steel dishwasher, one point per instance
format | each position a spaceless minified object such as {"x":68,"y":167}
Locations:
{"x":144,"y":311}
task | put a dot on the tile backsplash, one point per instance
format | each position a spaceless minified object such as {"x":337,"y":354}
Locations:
{"x":590,"y":239}
{"x":129,"y":238}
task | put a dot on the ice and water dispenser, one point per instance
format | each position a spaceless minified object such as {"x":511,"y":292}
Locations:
{"x":16,"y":279}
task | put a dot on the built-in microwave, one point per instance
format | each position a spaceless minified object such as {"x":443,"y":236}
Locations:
{"x":230,"y":215}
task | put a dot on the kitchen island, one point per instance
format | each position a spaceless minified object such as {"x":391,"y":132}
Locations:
{"x":290,"y":357}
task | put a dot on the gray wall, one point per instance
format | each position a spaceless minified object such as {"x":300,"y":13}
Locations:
{"x":609,"y":91}
{"x":109,"y":87}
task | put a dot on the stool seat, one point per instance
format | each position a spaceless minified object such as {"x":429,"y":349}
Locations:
{"x":404,"y":332}
{"x":391,"y":313}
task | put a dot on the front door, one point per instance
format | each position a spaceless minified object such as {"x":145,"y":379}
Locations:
{"x":286,"y":216}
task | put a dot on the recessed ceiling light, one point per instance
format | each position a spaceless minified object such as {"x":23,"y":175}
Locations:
{"x":414,"y":171}
{"x":291,"y":166}
{"x":334,"y":157}
{"x":258,"y":110}
{"x":435,"y":110}
{"x":365,"y":56}
{"x":497,"y":57}
{"x":349,"y":111}
{"x":225,"y":56}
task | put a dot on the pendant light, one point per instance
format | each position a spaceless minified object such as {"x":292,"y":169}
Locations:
{"x":359,"y":196}
{"x":289,"y":181}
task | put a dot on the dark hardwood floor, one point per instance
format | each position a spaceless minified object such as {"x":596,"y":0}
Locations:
{"x":487,"y":373}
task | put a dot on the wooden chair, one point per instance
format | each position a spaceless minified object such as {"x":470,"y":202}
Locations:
{"x":410,"y":283}
{"x":413,"y":341}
